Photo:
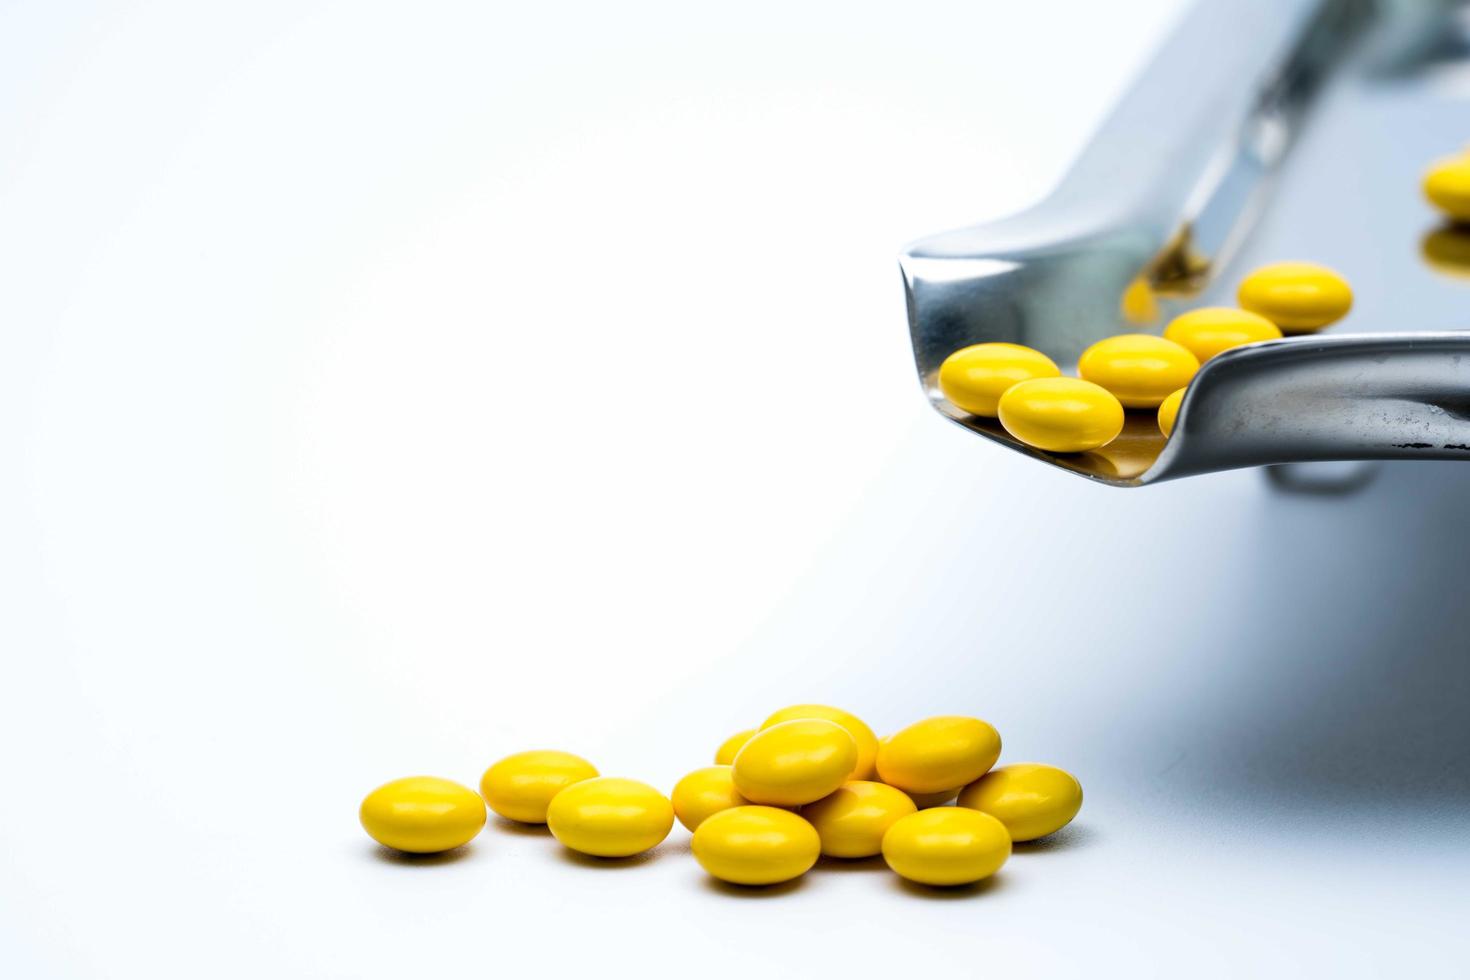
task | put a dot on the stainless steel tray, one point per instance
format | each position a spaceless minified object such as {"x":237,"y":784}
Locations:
{"x":1265,"y":130}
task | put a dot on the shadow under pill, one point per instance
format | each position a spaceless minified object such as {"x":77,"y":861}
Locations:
{"x":516,"y":829}
{"x":570,"y":856}
{"x":950,"y":893}
{"x":1068,"y":838}
{"x":753,"y":891}
{"x":842,"y":865}
{"x":390,"y":856}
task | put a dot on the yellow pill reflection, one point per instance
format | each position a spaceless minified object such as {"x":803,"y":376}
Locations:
{"x":1447,"y":186}
{"x":795,"y":762}
{"x":610,"y":817}
{"x":853,"y":820}
{"x":1138,"y":368}
{"x":937,"y":753}
{"x":1169,"y":411}
{"x":756,"y":845}
{"x":1208,"y":331}
{"x":728,"y":749}
{"x":1447,"y":250}
{"x":1032,"y":800}
{"x":521,"y":786}
{"x":973,"y":378}
{"x":705,"y":792}
{"x":422,"y":814}
{"x":946,"y":846}
{"x":1299,"y":297}
{"x":867,"y":742}
{"x":1061,"y":415}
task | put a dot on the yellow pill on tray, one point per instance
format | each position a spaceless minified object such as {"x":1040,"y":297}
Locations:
{"x":1031,"y":799}
{"x":1169,"y":411}
{"x":610,"y":817}
{"x":1061,"y":415}
{"x":973,"y":378}
{"x":853,"y":820}
{"x":422,"y":814}
{"x":756,"y":845}
{"x":867,"y":742}
{"x":1212,"y":329}
{"x":521,"y":786}
{"x":795,"y":762}
{"x":1138,"y":368}
{"x":703,"y":793}
{"x":946,"y":846}
{"x":1299,"y":297}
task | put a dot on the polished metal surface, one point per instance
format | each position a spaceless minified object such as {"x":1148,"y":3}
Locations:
{"x":1265,"y":130}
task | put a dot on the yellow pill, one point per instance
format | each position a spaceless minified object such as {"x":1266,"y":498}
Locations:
{"x":704,"y":792}
{"x":1208,"y":331}
{"x":853,"y":820}
{"x":924,"y":801}
{"x":1032,"y":800}
{"x":1138,"y":368}
{"x":1299,"y":297}
{"x":756,"y":845}
{"x":795,"y":762}
{"x":867,"y":742}
{"x":973,"y":378}
{"x":1169,"y":411}
{"x":422,"y":814}
{"x":1061,"y":415}
{"x":937,"y":753}
{"x":521,"y":786}
{"x":946,"y":846}
{"x":1447,"y":250}
{"x":1447,"y":185}
{"x":609,"y":817}
{"x":728,"y":749}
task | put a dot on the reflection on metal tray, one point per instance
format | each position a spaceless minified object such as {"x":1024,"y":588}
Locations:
{"x":1265,"y":130}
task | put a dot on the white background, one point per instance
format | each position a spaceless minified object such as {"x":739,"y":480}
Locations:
{"x":387,"y":387}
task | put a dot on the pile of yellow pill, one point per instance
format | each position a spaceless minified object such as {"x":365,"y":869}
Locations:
{"x":812,"y":781}
{"x":1026,"y":392}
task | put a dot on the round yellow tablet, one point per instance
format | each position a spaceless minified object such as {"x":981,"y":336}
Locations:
{"x":422,"y":814}
{"x":795,"y":762}
{"x":973,"y":378}
{"x":1169,"y":411}
{"x":1061,"y":415}
{"x":1209,"y":330}
{"x":610,"y":817}
{"x":853,"y":820}
{"x":705,"y":792}
{"x":756,"y":845}
{"x":521,"y":786}
{"x":1138,"y":368}
{"x":1032,"y":800}
{"x":867,"y":742}
{"x":946,"y":846}
{"x":725,"y":754}
{"x":1299,"y":297}
{"x":1447,"y":185}
{"x":937,"y":753}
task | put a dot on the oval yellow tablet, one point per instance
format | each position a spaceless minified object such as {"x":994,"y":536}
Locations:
{"x":1169,"y":411}
{"x":728,"y":749}
{"x":1032,"y":800}
{"x":756,"y":845}
{"x":1447,"y":185}
{"x":1209,"y":330}
{"x":795,"y":762}
{"x":867,"y":742}
{"x":422,"y":814}
{"x":521,"y":786}
{"x":946,"y":846}
{"x":973,"y":378}
{"x":704,"y":792}
{"x":937,"y":753}
{"x":1138,"y":368}
{"x":853,"y":820}
{"x":1061,"y":415}
{"x":1299,"y":297}
{"x":610,"y":817}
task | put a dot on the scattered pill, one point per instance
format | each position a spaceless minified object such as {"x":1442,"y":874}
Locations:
{"x":937,"y":753}
{"x":1209,"y":330}
{"x":795,"y":762}
{"x":1299,"y":297}
{"x":1032,"y":800}
{"x":1169,"y":411}
{"x":973,"y":378}
{"x":867,"y":742}
{"x":422,"y":814}
{"x":1138,"y":368}
{"x":728,"y":749}
{"x":852,"y":820}
{"x":610,"y":817}
{"x":1447,"y":185}
{"x":1139,"y":304}
{"x":756,"y":845}
{"x":521,"y":786}
{"x":705,"y":792}
{"x":946,"y":846}
{"x":1061,"y":415}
